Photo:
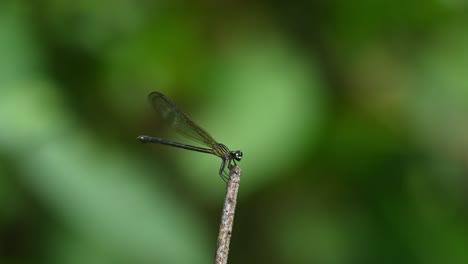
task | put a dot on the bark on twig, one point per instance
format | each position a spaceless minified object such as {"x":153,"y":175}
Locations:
{"x":227,"y":218}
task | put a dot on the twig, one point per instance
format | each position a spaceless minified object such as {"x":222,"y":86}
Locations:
{"x":227,"y":219}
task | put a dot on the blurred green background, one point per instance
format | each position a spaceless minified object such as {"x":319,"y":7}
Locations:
{"x":352,"y":116}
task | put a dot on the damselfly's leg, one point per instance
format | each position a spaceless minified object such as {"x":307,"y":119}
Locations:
{"x":223,"y":165}
{"x":222,"y":174}
{"x":225,"y":177}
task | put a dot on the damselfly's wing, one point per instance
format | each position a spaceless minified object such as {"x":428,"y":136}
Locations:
{"x":178,"y":120}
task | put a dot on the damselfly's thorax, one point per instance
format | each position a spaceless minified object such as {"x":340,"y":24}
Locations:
{"x":222,"y":151}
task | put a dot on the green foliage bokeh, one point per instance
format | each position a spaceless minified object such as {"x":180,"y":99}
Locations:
{"x":351,"y":116}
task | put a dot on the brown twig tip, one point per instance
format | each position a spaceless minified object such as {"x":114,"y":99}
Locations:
{"x":227,"y":218}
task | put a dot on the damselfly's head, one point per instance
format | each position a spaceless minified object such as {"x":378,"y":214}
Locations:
{"x":237,"y":155}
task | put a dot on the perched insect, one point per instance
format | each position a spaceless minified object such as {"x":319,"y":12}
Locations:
{"x":183,"y":125}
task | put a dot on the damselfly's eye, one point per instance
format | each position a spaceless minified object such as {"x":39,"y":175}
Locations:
{"x":238,"y":155}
